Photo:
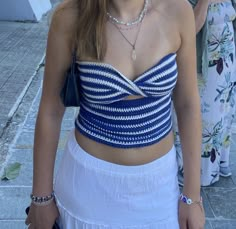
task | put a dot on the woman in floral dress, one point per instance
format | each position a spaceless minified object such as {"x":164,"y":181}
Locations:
{"x":217,"y":86}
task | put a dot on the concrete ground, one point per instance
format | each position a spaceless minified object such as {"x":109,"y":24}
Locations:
{"x":22,"y":48}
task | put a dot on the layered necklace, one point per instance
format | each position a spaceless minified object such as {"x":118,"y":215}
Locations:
{"x":137,"y":21}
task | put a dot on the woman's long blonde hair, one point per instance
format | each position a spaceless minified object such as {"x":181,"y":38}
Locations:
{"x":90,"y":33}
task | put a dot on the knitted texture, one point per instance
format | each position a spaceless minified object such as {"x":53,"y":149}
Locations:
{"x":106,"y":117}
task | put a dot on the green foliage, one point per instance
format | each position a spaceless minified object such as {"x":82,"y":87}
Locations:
{"x":11,"y":171}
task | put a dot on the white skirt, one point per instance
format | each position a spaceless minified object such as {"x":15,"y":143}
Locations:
{"x":95,"y":194}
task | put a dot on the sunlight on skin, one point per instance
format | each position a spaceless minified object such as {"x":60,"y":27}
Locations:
{"x":133,"y":97}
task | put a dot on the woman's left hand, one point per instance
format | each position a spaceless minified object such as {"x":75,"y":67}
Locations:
{"x":191,"y":216}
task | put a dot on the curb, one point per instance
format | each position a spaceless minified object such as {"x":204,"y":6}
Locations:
{"x":22,"y":94}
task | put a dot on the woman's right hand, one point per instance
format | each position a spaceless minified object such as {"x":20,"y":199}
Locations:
{"x":42,"y":217}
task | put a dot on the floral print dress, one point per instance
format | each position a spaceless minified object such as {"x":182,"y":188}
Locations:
{"x":218,"y":93}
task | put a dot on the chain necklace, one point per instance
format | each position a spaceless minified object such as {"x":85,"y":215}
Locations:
{"x":133,"y":22}
{"x":133,"y":53}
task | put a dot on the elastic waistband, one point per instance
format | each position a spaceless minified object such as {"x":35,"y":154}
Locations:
{"x":82,"y":157}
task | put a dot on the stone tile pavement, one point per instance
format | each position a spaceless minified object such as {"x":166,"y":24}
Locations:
{"x":14,"y":194}
{"x":22,"y":50}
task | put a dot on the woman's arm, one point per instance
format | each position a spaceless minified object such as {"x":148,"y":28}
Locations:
{"x":187,"y":106}
{"x":50,"y":114}
{"x":200,"y":13}
{"x":51,"y":110}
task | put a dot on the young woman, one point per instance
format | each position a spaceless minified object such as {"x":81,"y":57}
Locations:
{"x":217,"y":85}
{"x":119,"y":167}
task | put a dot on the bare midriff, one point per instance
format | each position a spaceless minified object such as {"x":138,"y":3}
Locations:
{"x":125,"y":156}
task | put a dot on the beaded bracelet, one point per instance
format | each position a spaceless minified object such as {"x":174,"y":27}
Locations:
{"x":43,"y":203}
{"x":189,"y":201}
{"x":42,"y":200}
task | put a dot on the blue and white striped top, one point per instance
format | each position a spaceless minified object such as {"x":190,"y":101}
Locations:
{"x":107,"y":117}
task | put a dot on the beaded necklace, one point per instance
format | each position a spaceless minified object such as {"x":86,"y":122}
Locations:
{"x":133,"y":22}
{"x":137,"y":21}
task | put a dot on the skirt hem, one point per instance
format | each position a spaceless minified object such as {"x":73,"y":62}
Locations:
{"x":75,"y":222}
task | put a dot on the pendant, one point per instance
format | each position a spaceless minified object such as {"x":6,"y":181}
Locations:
{"x":134,"y":56}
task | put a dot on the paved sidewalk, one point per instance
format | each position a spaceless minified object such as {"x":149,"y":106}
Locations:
{"x":22,"y":50}
{"x":14,"y":194}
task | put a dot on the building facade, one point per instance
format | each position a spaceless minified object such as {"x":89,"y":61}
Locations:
{"x":23,"y":10}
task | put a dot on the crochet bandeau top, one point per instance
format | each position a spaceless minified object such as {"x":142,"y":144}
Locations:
{"x":107,"y":117}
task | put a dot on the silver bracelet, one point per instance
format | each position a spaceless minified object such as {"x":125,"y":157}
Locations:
{"x":42,"y":200}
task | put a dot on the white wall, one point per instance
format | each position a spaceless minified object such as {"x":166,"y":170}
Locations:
{"x":23,"y":10}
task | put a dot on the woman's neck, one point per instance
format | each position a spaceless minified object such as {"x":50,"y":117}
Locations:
{"x":125,"y":10}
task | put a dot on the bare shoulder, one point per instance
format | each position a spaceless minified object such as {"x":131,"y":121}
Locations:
{"x":178,"y":11}
{"x":60,"y":43}
{"x":183,"y":10}
{"x":179,"y":6}
{"x":64,"y":19}
{"x":182,"y":13}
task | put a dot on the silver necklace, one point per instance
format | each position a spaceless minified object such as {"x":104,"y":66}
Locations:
{"x":133,"y":53}
{"x":133,"y":22}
